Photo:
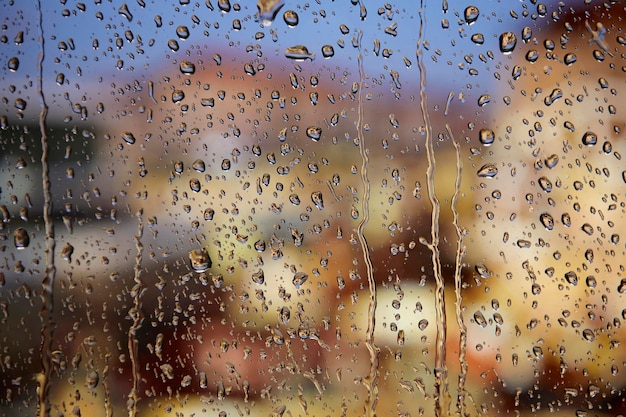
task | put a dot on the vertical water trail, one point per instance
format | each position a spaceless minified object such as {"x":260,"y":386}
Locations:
{"x":461,"y":392}
{"x":442,"y":396}
{"x":136,"y":315}
{"x":46,"y":313}
{"x":372,"y":379}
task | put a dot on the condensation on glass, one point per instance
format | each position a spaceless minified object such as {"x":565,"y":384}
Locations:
{"x":326,"y":209}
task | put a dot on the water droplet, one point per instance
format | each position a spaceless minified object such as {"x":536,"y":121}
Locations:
{"x":591,"y":281}
{"x":200,"y":260}
{"x":316,"y":197}
{"x":128,"y":137}
{"x":328,"y":51}
{"x":478,"y":38}
{"x":552,"y":160}
{"x":479,"y":318}
{"x":194,"y":185}
{"x":314,"y":132}
{"x":21,"y":238}
{"x":488,"y":171}
{"x":182,"y":32}
{"x":508,"y":40}
{"x":545,"y":184}
{"x":523,"y":243}
{"x":484,"y":99}
{"x":291,"y":18}
{"x":556,"y":94}
{"x":258,"y":277}
{"x":590,"y":138}
{"x":268,"y":10}
{"x":588,"y":335}
{"x":67,"y":251}
{"x":14,"y":64}
{"x":471,"y":14}
{"x":570,"y":58}
{"x":422,"y":324}
{"x":547,"y":221}
{"x":299,"y":278}
{"x":187,"y":67}
{"x":123,"y":10}
{"x":571,"y":277}
{"x":587,"y":228}
{"x":532,"y":55}
{"x":198,"y":165}
{"x":482,"y":270}
{"x":178,"y":95}
{"x":486,"y":136}
{"x":224,"y":5}
{"x":566,"y":220}
{"x":621,"y":288}
{"x":299,"y":53}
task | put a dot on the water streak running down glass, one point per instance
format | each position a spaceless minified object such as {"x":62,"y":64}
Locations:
{"x":325,"y":209}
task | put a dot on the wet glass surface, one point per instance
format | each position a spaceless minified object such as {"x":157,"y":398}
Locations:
{"x":323,"y":208}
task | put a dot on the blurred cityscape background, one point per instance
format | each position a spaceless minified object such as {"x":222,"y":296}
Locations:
{"x":324,"y":208}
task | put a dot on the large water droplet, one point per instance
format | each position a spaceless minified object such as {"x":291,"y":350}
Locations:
{"x":488,"y":171}
{"x":471,"y":14}
{"x":508,"y":40}
{"x":21,"y":238}
{"x":314,"y":132}
{"x":200,"y":260}
{"x":187,"y":67}
{"x":291,"y":18}
{"x":268,"y":9}
{"x":14,"y":64}
{"x":547,"y":221}
{"x":486,"y":136}
{"x":590,"y":138}
{"x":299,"y":53}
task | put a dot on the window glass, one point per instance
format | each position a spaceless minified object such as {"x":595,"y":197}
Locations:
{"x":312,"y":208}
